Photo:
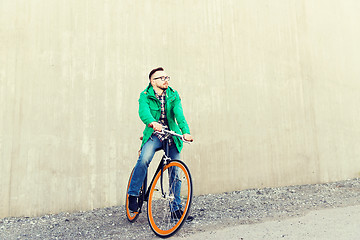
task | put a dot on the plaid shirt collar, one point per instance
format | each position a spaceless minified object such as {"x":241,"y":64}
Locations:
{"x":163,"y":120}
{"x":162,"y":99}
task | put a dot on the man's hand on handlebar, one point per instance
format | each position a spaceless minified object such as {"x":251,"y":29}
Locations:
{"x":156,"y":126}
{"x":188,"y":137}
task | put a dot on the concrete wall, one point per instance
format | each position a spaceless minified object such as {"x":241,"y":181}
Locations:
{"x":270,"y":90}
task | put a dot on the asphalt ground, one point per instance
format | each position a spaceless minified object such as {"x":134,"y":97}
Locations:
{"x":328,"y":224}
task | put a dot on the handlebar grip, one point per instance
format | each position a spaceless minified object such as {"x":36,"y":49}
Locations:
{"x":151,"y":125}
{"x":186,"y":141}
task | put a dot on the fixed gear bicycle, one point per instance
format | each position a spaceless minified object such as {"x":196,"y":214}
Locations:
{"x":171,"y":186}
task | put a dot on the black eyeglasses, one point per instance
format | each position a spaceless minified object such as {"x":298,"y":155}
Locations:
{"x":163,"y":78}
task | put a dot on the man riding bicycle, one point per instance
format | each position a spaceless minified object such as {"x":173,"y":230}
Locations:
{"x":159,"y":105}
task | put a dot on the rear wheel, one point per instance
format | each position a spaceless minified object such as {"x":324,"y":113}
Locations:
{"x":177,"y":188}
{"x":132,"y":216}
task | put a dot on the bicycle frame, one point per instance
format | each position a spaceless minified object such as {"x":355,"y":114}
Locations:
{"x":169,"y":200}
{"x":164,"y":160}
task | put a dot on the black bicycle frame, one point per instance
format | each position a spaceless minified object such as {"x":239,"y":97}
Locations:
{"x":159,"y":168}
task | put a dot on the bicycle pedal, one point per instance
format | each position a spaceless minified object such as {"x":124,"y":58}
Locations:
{"x":139,"y":211}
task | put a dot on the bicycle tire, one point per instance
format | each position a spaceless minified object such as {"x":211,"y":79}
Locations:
{"x":131,"y":216}
{"x":159,"y":207}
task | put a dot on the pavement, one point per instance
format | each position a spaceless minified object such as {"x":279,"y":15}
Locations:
{"x":329,"y":224}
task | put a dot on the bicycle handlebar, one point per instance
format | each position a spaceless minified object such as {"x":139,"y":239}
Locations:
{"x":164,"y":131}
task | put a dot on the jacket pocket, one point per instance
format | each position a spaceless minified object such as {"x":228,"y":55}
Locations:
{"x":154,"y":108}
{"x":155,"y":111}
{"x":171,"y":103}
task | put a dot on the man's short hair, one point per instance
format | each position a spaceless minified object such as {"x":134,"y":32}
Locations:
{"x":154,"y":71}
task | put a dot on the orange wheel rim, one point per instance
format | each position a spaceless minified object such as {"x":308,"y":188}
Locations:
{"x":151,"y":219}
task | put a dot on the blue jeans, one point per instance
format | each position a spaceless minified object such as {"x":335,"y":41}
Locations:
{"x":142,"y":164}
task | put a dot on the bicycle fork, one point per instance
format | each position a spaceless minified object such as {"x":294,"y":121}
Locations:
{"x":165,"y":159}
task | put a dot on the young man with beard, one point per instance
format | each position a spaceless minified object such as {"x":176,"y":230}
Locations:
{"x":159,"y":105}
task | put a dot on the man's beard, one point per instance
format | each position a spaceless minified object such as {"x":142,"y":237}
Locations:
{"x":164,"y":87}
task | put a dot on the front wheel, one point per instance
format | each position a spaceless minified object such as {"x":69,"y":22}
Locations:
{"x":165,"y":204}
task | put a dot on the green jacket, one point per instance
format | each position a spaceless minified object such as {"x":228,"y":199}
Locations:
{"x":150,"y":110}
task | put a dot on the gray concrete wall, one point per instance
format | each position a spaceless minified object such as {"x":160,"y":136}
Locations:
{"x":270,"y":90}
